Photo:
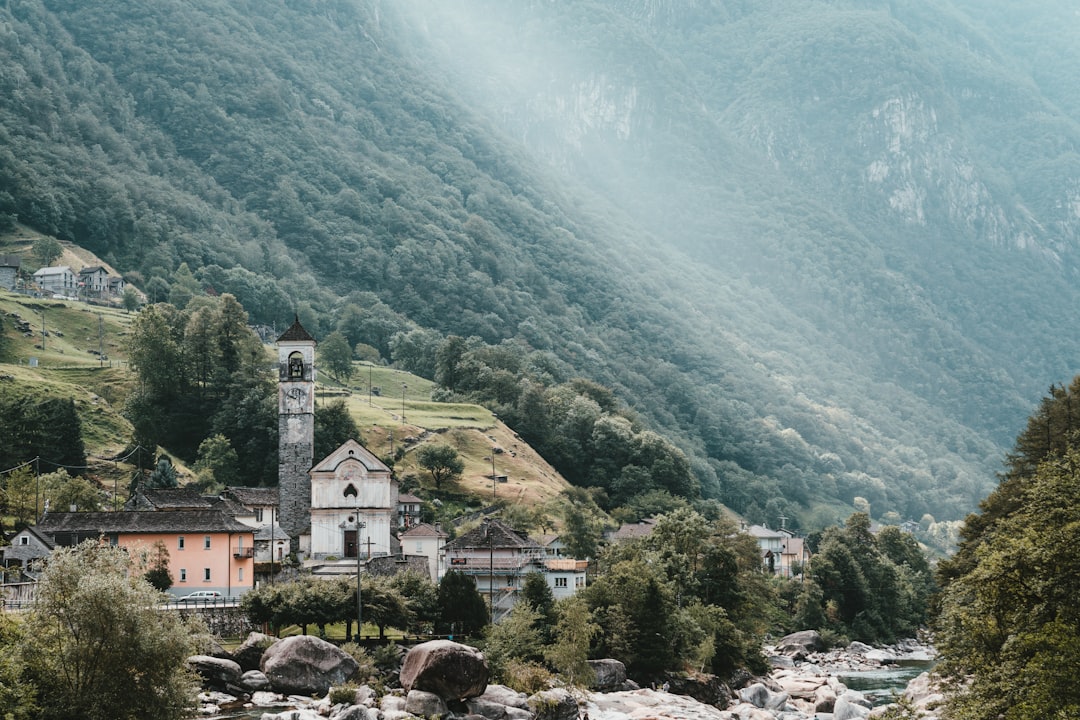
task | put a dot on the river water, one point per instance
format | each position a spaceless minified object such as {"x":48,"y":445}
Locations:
{"x":881,"y":685}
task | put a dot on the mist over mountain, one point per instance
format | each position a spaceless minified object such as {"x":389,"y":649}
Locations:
{"x":829,"y":248}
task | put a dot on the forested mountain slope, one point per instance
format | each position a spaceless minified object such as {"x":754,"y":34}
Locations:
{"x":827,"y":248}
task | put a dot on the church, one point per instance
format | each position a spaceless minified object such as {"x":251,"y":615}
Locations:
{"x":343,"y":506}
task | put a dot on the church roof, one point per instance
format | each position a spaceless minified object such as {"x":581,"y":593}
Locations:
{"x":350,"y":449}
{"x":296,"y":333}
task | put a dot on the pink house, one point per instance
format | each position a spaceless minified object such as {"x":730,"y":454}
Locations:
{"x":208,"y":549}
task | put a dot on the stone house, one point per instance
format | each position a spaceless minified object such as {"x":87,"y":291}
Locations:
{"x":26,"y":546}
{"x":94,"y":280}
{"x":9,"y":271}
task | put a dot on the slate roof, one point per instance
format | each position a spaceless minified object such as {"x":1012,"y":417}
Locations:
{"x":296,"y":333}
{"x":271,"y":533}
{"x":426,"y":530}
{"x":502,"y":536}
{"x":628,"y":531}
{"x":128,"y":521}
{"x":91,"y":269}
{"x":12,"y":261}
{"x":253,"y":496}
{"x":171,"y":499}
{"x":407,"y":499}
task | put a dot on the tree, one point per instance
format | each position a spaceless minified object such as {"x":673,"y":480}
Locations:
{"x":163,"y":475}
{"x":337,"y":356}
{"x":516,"y":637}
{"x":47,"y":250}
{"x":573,"y":635}
{"x":64,"y":491}
{"x":1009,"y":612}
{"x":18,"y":698}
{"x":216,"y":455}
{"x":157,"y":572}
{"x":334,"y":424}
{"x":421,"y":596}
{"x":441,"y":461}
{"x":462,"y":609}
{"x":98,"y":647}
{"x":130,"y":300}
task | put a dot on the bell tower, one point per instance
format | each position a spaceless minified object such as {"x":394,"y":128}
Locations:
{"x":296,"y":428}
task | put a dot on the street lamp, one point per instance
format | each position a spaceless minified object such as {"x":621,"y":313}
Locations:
{"x":359,"y":601}
{"x":350,"y":490}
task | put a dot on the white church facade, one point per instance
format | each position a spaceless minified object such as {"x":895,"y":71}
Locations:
{"x":353,"y":505}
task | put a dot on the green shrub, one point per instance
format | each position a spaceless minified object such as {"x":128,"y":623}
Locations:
{"x":527,"y":677}
{"x":343,"y":694}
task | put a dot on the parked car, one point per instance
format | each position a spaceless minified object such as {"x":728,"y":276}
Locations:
{"x":201,"y":596}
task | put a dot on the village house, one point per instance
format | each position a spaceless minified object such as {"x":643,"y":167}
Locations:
{"x":58,"y":280}
{"x":498,"y":558}
{"x":408,"y":509}
{"x":208,"y":549}
{"x":427,"y":541}
{"x":94,"y":280}
{"x":782,"y":553}
{"x":27,"y":546}
{"x":565,"y":576}
{"x":9,"y":271}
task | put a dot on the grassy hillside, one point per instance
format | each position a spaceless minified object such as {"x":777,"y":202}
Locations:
{"x":68,"y":369}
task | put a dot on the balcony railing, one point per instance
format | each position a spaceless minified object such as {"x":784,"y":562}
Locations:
{"x":243,"y":552}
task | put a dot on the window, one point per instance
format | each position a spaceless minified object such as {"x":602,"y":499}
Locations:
{"x":206,"y":574}
{"x":206,"y":542}
{"x":419,"y":548}
{"x":183,"y":574}
{"x":180,"y":543}
{"x":579,"y":582}
{"x":24,"y":540}
{"x":560,"y":582}
{"x":240,"y":574}
{"x":258,"y":514}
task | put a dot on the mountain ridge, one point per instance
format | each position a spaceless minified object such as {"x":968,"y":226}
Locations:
{"x":726,"y":272}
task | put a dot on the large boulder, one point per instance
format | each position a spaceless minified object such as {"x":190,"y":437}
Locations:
{"x":704,"y":688}
{"x":249,"y":654}
{"x":610,"y":674}
{"x":554,"y":704}
{"x":800,"y":644}
{"x":425,"y":704}
{"x":306,"y":665}
{"x":216,"y":673}
{"x":450,"y":670}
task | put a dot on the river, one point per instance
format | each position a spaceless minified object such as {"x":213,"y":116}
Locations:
{"x":881,"y":685}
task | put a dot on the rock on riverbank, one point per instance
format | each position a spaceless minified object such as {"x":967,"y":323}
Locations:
{"x":804,"y":685}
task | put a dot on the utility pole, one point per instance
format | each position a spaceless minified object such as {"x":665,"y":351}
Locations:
{"x":403,"y":386}
{"x":101,"y":339}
